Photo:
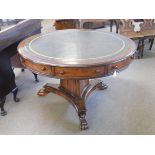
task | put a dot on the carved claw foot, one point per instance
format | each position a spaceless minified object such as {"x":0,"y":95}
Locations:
{"x":98,"y":84}
{"x":102,"y":86}
{"x":43,"y":92}
{"x":83,"y":122}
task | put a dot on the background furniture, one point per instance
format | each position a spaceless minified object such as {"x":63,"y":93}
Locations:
{"x":101,"y":21}
{"x":18,"y":30}
{"x":76,"y":57}
{"x":126,"y":28}
{"x":61,"y":24}
{"x":9,"y":38}
{"x":148,"y":30}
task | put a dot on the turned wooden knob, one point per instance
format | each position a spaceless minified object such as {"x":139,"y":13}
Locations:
{"x":61,"y":72}
{"x":43,"y":69}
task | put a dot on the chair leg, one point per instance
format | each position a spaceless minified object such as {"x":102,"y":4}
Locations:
{"x":2,"y":102}
{"x":111,"y":25}
{"x":15,"y":92}
{"x":138,"y":45}
{"x":117,"y":25}
{"x":140,"y":48}
{"x":152,"y":41}
{"x":22,"y":70}
{"x":36,"y":77}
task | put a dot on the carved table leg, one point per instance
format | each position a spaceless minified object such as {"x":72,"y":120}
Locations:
{"x":76,"y":92}
{"x":94,"y":84}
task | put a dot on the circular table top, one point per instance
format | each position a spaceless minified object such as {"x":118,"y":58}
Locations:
{"x":76,"y":48}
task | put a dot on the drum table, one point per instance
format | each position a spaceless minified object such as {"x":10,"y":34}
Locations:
{"x":75,"y":57}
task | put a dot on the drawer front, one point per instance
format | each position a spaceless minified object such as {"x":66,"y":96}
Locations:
{"x":76,"y":73}
{"x":37,"y":68}
{"x":118,"y":65}
{"x":83,"y":72}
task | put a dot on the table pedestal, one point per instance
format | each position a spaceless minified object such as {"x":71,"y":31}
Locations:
{"x":76,"y":92}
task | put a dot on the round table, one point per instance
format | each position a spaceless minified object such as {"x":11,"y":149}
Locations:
{"x":75,"y":57}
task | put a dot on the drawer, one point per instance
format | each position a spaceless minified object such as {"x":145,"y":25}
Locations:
{"x":37,"y":68}
{"x":82,"y":72}
{"x":118,"y":65}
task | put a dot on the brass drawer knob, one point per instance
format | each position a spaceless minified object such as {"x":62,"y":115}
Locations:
{"x":62,"y":72}
{"x":114,"y":67}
